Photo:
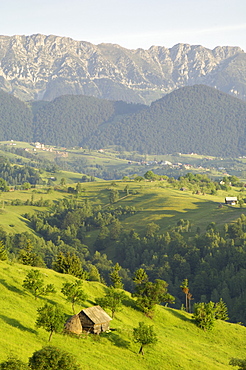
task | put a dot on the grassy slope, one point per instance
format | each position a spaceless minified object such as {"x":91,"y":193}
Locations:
{"x":181,"y":345}
{"x":156,"y":202}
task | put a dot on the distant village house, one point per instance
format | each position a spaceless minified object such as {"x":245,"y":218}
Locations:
{"x":231,"y":201}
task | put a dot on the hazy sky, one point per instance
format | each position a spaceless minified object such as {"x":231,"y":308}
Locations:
{"x":130,"y":23}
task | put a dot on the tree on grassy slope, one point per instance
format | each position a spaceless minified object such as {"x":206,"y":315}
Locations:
{"x":34,"y":283}
{"x":74,"y":293}
{"x":204,"y":315}
{"x":13,"y":363}
{"x":149,"y":294}
{"x":115,"y":278}
{"x":112,"y":300}
{"x":221,"y":311}
{"x":238,"y":362}
{"x":27,"y":256}
{"x":145,"y":335}
{"x":51,"y":318}
{"x":69,"y":263}
{"x":52,"y":358}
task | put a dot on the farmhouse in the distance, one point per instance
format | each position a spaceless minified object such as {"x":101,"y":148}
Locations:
{"x":231,"y":200}
{"x":91,"y":320}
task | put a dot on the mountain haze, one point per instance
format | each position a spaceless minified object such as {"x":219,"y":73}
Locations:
{"x":40,"y":67}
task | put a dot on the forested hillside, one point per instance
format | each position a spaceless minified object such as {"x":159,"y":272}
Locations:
{"x":69,"y":120}
{"x":192,"y":119}
{"x":15,"y":119}
{"x":195,"y":119}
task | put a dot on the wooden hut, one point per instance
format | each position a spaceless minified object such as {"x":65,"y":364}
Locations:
{"x":94,"y":319}
{"x":73,"y":325}
{"x":231,"y":200}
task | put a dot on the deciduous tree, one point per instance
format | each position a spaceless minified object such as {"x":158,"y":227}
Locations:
{"x":51,"y":318}
{"x":13,"y":363}
{"x":145,"y":335}
{"x":238,"y":362}
{"x":34,"y":283}
{"x":74,"y":293}
{"x":204,"y":315}
{"x":112,"y":300}
{"x":149,"y":294}
{"x":52,"y":358}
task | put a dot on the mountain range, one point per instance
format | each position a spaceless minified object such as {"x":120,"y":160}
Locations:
{"x":40,"y":67}
{"x":196,"y":118}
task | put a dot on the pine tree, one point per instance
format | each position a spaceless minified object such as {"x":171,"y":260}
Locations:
{"x":221,"y":311}
{"x":115,"y":278}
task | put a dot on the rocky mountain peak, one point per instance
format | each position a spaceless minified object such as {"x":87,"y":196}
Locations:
{"x":44,"y":67}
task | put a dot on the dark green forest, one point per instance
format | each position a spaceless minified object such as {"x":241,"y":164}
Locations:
{"x":17,"y":175}
{"x":69,"y":120}
{"x":16,"y":119}
{"x":195,"y":119}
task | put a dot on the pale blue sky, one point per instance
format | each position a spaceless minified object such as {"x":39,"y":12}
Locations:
{"x":130,"y":23}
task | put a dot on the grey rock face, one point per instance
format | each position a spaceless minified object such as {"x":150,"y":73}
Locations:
{"x":43,"y":67}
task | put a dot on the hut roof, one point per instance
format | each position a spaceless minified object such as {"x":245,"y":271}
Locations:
{"x":73,"y":325}
{"x":231,"y":199}
{"x":96,"y":314}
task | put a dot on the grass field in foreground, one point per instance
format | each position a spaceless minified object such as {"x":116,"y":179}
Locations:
{"x":181,"y":344}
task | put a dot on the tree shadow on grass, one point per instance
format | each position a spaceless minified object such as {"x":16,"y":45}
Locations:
{"x":11,"y":287}
{"x":181,"y":316}
{"x":129,"y":302}
{"x":16,"y":324}
{"x":117,"y":340}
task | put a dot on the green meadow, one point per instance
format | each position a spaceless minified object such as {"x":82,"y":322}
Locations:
{"x":181,"y":344}
{"x":154,"y":201}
